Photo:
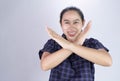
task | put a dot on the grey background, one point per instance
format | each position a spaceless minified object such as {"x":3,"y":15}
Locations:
{"x":22,"y":34}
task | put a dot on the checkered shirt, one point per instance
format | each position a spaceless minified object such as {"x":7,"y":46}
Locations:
{"x":74,"y":68}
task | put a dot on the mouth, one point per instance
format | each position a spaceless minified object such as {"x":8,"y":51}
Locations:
{"x":71,"y":33}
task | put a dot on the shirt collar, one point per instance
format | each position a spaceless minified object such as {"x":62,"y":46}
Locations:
{"x":64,"y":36}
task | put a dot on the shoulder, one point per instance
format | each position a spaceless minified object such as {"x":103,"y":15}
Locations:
{"x":92,"y":43}
{"x":51,"y":42}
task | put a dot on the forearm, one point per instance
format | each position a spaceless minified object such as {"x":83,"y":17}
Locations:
{"x":54,"y":59}
{"x":96,"y":56}
{"x":100,"y":57}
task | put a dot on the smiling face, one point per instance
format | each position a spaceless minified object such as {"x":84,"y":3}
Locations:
{"x":71,"y":24}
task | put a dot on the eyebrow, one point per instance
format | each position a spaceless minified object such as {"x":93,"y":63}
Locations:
{"x":66,"y":20}
{"x":77,"y":20}
{"x":73,"y":20}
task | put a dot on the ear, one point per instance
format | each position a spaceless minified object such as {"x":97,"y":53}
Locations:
{"x":83,"y":23}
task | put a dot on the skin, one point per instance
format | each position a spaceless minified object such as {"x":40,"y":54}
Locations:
{"x":71,"y":26}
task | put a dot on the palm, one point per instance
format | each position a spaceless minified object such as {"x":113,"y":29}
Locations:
{"x":83,"y":34}
{"x":60,"y":40}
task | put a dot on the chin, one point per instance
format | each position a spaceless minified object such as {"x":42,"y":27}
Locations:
{"x":72,"y":39}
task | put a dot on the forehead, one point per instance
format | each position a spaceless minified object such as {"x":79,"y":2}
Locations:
{"x":71,"y":15}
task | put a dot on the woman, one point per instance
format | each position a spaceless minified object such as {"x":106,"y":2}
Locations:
{"x":71,"y":57}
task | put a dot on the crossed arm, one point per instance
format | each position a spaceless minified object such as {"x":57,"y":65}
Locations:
{"x":49,"y":61}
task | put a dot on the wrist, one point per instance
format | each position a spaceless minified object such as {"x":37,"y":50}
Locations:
{"x":71,"y":46}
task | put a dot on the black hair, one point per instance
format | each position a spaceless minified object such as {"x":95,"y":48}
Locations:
{"x":74,"y":9}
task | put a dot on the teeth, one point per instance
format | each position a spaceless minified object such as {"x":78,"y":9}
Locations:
{"x":71,"y":33}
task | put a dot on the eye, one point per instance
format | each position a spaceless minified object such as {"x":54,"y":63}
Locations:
{"x":67,"y":23}
{"x":76,"y":22}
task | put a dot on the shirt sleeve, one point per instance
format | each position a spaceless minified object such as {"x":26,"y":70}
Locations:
{"x":48,"y":47}
{"x":94,"y":43}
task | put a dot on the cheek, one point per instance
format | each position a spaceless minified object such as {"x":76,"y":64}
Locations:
{"x":65,"y":27}
{"x":76,"y":27}
{"x":79,"y":27}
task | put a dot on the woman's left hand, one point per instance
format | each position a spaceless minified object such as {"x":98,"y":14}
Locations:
{"x":81,"y":38}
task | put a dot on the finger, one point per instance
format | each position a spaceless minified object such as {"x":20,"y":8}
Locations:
{"x":88,"y":26}
{"x":52,"y":33}
{"x":49,"y":31}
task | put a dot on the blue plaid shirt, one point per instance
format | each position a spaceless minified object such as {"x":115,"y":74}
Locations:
{"x":74,"y":68}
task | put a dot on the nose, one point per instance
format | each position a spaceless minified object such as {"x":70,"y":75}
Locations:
{"x":71,"y":25}
{"x":71,"y":28}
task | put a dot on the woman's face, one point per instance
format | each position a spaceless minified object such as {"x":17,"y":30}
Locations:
{"x":71,"y":25}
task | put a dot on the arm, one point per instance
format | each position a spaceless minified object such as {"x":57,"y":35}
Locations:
{"x":49,"y":61}
{"x":100,"y":57}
